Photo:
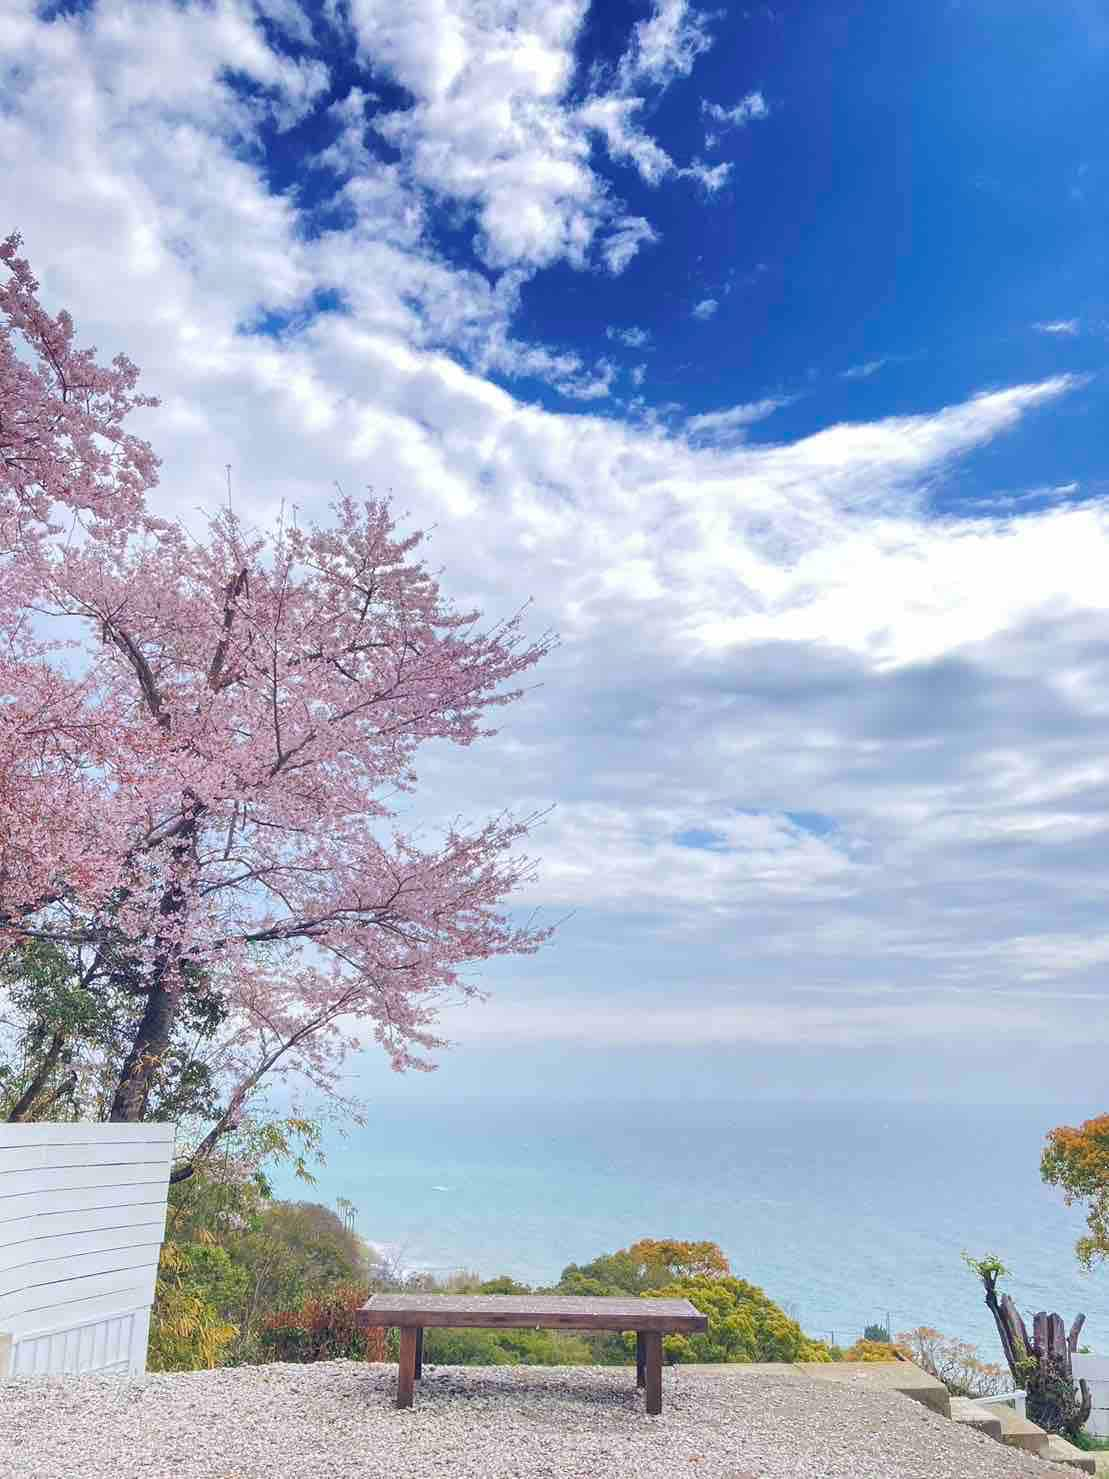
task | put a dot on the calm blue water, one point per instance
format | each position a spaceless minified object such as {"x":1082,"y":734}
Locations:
{"x":839,"y":1212}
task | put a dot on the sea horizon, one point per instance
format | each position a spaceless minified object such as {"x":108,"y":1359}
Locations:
{"x":845,"y":1212}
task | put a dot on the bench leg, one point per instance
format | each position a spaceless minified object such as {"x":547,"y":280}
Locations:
{"x":652,"y":1343}
{"x":640,"y":1360}
{"x":419,"y":1353}
{"x":406,"y":1371}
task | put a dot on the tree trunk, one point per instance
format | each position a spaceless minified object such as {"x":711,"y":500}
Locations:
{"x":151,"y":1041}
{"x":26,"y":1102}
{"x":1042,"y":1365}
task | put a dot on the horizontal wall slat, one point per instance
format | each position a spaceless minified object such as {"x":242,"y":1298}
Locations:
{"x":80,"y":1199}
{"x":107,"y":1302}
{"x":56,"y":1271}
{"x":33,"y":1157}
{"x":50,"y":1133}
{"x":53,"y":1301}
{"x":14,"y":1183}
{"x":22,"y":1230}
{"x":31,"y":1254}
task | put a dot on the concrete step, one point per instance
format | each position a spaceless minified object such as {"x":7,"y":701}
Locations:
{"x":1016,"y":1431}
{"x":1059,"y":1451}
{"x":883,"y":1376}
{"x":973,"y":1415}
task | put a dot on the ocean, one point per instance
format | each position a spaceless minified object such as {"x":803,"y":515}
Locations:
{"x":843,"y":1214}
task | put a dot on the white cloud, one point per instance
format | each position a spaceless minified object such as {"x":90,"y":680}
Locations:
{"x":865,"y":370}
{"x":752,"y":107}
{"x":712,"y":177}
{"x":637,"y":374}
{"x":665,"y":46}
{"x":624,"y":240}
{"x":705,"y":308}
{"x":1065,"y":326}
{"x":925,"y":1025}
{"x":612,"y":116}
{"x":491,"y":128}
{"x":662,"y":48}
{"x":633,"y":336}
{"x":748,"y":108}
{"x":722,"y":425}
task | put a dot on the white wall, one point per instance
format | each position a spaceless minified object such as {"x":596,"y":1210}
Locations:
{"x":1095,"y":1369}
{"x":82,"y":1218}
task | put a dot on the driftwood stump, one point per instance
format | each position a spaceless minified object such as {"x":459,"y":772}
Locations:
{"x":1042,"y":1365}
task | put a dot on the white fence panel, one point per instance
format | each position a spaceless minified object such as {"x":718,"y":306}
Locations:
{"x":1095,"y":1370}
{"x":82,"y":1219}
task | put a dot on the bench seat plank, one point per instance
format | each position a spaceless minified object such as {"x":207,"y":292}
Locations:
{"x":539,"y":1311}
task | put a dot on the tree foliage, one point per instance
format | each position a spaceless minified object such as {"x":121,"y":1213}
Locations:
{"x":743,"y":1324}
{"x":647,"y":1264}
{"x":954,"y":1362}
{"x":189,"y":821}
{"x":873,"y":1350}
{"x":1078,"y":1161}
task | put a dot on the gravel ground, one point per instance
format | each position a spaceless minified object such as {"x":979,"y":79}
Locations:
{"x":336,"y":1420}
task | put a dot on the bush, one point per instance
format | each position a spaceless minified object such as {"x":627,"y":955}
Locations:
{"x":955,"y":1363}
{"x":875,"y":1350}
{"x":324,"y":1329}
{"x":466,"y":1348}
{"x":187,"y":1332}
{"x":876,"y":1332}
{"x":744,"y":1325}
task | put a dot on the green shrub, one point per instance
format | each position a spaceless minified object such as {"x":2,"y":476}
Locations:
{"x":875,"y":1350}
{"x":744,"y":1325}
{"x":466,"y":1348}
{"x":187,"y":1332}
{"x":876,"y":1332}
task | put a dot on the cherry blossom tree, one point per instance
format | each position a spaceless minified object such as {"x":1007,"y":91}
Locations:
{"x":188,"y":807}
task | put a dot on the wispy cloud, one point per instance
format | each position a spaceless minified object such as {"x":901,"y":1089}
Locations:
{"x":633,"y":336}
{"x":752,"y":107}
{"x":662,"y":48}
{"x":712,"y":177}
{"x":719,"y":426}
{"x":706,"y":308}
{"x":1066,"y":326}
{"x":865,"y":370}
{"x":624,"y":240}
{"x":666,"y":45}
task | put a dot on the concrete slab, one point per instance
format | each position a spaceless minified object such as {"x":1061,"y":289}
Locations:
{"x":785,"y":1369}
{"x":1059,"y":1451}
{"x":1018,"y":1432}
{"x":884,"y":1376}
{"x":972,"y":1415}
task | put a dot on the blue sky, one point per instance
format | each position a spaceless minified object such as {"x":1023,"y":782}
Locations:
{"x":764,"y":349}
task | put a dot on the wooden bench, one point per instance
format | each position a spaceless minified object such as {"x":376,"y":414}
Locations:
{"x":412,"y":1314}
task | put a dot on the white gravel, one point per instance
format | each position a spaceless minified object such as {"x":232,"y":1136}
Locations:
{"x":336,"y":1420}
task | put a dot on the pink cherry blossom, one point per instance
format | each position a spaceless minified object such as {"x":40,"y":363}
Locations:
{"x":212,"y":780}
